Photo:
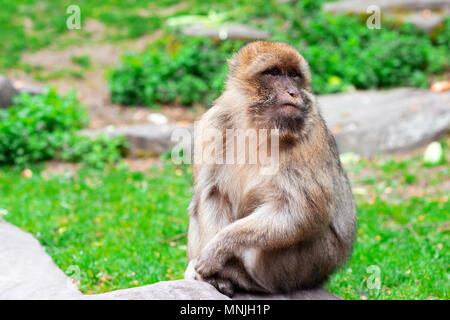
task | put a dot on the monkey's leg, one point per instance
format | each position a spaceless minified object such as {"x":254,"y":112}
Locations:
{"x":304,"y":265}
{"x":235,"y":271}
{"x":268,"y":227}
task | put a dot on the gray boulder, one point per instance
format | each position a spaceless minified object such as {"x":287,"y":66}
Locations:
{"x":28,"y":272}
{"x":365,"y":122}
{"x":231,"y":31}
{"x":30,"y":88}
{"x":310,"y":294}
{"x":199,"y":290}
{"x":425,"y":22}
{"x":9,"y":89}
{"x":402,"y":10}
{"x":360,"y":6}
{"x":383,"y":122}
{"x":7,"y":92}
{"x":165,"y":290}
{"x":144,"y":139}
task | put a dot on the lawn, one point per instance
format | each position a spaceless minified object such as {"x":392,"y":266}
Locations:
{"x":120,"y":228}
{"x":115,"y":228}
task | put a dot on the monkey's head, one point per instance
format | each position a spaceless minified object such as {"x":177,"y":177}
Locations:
{"x":273,"y":80}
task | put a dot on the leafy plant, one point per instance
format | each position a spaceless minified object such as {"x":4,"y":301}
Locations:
{"x":194,"y":73}
{"x":35,"y":127}
{"x":44,"y":126}
{"x":94,"y":152}
{"x":341,"y":50}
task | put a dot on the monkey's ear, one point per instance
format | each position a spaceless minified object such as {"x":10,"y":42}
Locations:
{"x":233,"y":62}
{"x":306,"y":70}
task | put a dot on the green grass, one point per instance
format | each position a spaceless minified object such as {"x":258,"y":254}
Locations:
{"x":407,"y":243}
{"x":115,"y":226}
{"x":83,"y":60}
{"x":124,"y":229}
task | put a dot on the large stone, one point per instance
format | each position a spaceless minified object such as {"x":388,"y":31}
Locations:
{"x":310,"y":294}
{"x":165,"y":290}
{"x":360,"y":6}
{"x":425,"y":14}
{"x":199,"y":290}
{"x":28,"y":272}
{"x":382,"y":122}
{"x":28,"y":87}
{"x":426,"y":22}
{"x":364,"y":122}
{"x":231,"y":31}
{"x":7,"y":92}
{"x":9,"y":89}
{"x":143,"y":139}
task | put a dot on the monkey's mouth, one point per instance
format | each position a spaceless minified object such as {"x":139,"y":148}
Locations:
{"x":289,"y":109}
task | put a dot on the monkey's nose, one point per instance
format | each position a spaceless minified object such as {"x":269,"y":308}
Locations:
{"x":293,"y":93}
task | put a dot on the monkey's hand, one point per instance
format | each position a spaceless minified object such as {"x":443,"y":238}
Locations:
{"x":212,"y":259}
{"x":190,"y":273}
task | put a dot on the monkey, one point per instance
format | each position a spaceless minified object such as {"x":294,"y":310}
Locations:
{"x":270,"y":233}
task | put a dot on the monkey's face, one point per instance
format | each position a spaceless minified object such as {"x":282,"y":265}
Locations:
{"x":275,"y":80}
{"x":282,"y":101}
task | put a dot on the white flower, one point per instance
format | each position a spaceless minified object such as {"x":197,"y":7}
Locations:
{"x":3,"y":212}
{"x":433,"y":154}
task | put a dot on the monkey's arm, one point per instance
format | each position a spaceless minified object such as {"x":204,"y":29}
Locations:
{"x":269,"y":226}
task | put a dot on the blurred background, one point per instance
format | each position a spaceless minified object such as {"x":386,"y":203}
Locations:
{"x":90,"y":92}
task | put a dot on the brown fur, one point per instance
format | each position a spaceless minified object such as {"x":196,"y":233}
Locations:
{"x":270,"y":233}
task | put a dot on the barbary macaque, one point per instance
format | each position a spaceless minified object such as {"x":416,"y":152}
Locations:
{"x":278,"y":232}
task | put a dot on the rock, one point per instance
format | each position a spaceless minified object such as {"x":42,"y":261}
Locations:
{"x":310,"y":294}
{"x":144,"y":139}
{"x":27,"y":272}
{"x":165,"y":290}
{"x":383,"y":122}
{"x":415,"y":11}
{"x":30,"y":88}
{"x":231,"y":31}
{"x":7,"y":92}
{"x":199,"y":290}
{"x":360,"y":6}
{"x":9,"y":89}
{"x":426,"y":22}
{"x":358,"y":119}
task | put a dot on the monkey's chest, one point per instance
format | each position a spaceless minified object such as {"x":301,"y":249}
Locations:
{"x":245,"y":191}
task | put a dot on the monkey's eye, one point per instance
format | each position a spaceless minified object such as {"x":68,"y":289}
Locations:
{"x":275,"y":71}
{"x":294,"y":74}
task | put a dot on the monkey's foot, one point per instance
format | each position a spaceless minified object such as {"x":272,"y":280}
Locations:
{"x":222,"y":285}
